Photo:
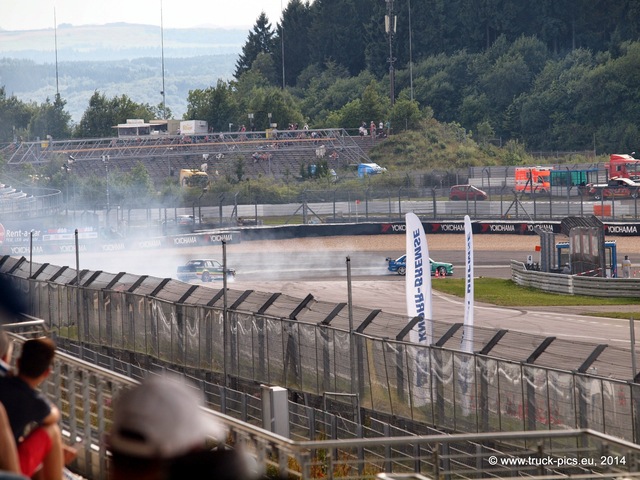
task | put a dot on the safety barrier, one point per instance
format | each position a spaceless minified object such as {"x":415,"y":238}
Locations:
{"x":574,"y":284}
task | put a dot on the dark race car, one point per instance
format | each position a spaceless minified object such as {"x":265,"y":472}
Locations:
{"x":204,"y":269}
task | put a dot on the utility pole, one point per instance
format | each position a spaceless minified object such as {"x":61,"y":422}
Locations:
{"x":105,"y":159}
{"x":163,"y":92}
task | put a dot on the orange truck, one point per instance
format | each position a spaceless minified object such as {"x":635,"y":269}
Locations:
{"x":623,"y":166}
{"x":533,"y":180}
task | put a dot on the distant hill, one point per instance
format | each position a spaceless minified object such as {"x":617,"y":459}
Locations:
{"x":116,"y":59}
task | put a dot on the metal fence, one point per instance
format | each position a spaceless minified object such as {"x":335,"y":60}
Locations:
{"x":367,"y":205}
{"x":244,"y":339}
{"x":325,"y":445}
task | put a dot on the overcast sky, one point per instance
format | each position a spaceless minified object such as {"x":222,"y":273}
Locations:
{"x":39,"y":14}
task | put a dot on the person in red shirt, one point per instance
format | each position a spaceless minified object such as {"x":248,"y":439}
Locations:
{"x":33,"y":418}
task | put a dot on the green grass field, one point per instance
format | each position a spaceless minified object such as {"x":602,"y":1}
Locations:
{"x":506,"y":293}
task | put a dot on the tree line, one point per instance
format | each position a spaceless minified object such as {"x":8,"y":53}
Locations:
{"x":553,"y":74}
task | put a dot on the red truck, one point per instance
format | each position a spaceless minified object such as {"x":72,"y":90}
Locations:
{"x":623,"y":166}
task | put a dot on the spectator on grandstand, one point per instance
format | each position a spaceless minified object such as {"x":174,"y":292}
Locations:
{"x":33,"y":419}
{"x":159,"y":431}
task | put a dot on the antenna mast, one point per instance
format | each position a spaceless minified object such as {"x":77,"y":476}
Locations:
{"x":164,"y":98}
{"x":55,"y":36}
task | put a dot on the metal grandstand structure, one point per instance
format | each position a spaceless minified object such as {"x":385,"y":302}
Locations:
{"x":266,"y":152}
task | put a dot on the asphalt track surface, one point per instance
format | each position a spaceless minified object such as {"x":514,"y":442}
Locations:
{"x":319,"y":266}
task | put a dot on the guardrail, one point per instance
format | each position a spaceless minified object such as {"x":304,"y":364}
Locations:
{"x":574,"y":284}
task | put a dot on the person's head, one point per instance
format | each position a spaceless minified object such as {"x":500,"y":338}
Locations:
{"x":36,"y":358}
{"x":626,"y":257}
{"x":6,"y":346}
{"x":155,"y":423}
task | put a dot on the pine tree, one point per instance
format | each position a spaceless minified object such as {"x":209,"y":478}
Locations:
{"x":260,"y":40}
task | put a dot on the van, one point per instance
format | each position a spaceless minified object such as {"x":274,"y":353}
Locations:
{"x":370,"y":169}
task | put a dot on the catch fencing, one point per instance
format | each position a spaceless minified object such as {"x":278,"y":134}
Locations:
{"x":325,"y":445}
{"x":246,"y":339}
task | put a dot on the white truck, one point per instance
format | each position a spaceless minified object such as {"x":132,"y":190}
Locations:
{"x":194,"y":127}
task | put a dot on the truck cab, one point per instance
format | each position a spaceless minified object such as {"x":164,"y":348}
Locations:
{"x":192,"y":177}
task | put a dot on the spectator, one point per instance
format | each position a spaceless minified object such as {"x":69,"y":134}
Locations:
{"x":9,"y":463}
{"x":159,"y":427}
{"x":6,"y":350}
{"x":11,"y":304}
{"x":33,"y":419}
{"x":626,"y":267}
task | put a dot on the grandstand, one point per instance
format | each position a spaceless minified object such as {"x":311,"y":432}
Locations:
{"x":20,"y":202}
{"x":261,"y":153}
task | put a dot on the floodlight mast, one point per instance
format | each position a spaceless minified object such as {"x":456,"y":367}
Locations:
{"x":390,"y":21}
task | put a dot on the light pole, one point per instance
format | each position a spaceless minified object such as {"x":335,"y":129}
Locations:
{"x":250,"y":115}
{"x":204,"y":190}
{"x":105,"y":159}
{"x":67,"y":167}
{"x":163,"y":92}
{"x":390,"y":29}
{"x":282,"y":43}
{"x":269,"y":116}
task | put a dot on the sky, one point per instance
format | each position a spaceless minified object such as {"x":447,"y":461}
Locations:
{"x":39,"y":14}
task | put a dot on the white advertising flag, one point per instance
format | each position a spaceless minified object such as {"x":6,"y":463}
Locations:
{"x":466,"y":367}
{"x":467,"y":335}
{"x":418,"y":280}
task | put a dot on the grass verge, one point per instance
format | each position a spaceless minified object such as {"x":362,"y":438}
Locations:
{"x":506,"y":293}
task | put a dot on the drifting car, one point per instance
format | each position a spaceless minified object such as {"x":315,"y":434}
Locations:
{"x":204,"y":269}
{"x":399,"y":265}
{"x":616,"y":187}
{"x":180,"y":224}
{"x":466,"y":192}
